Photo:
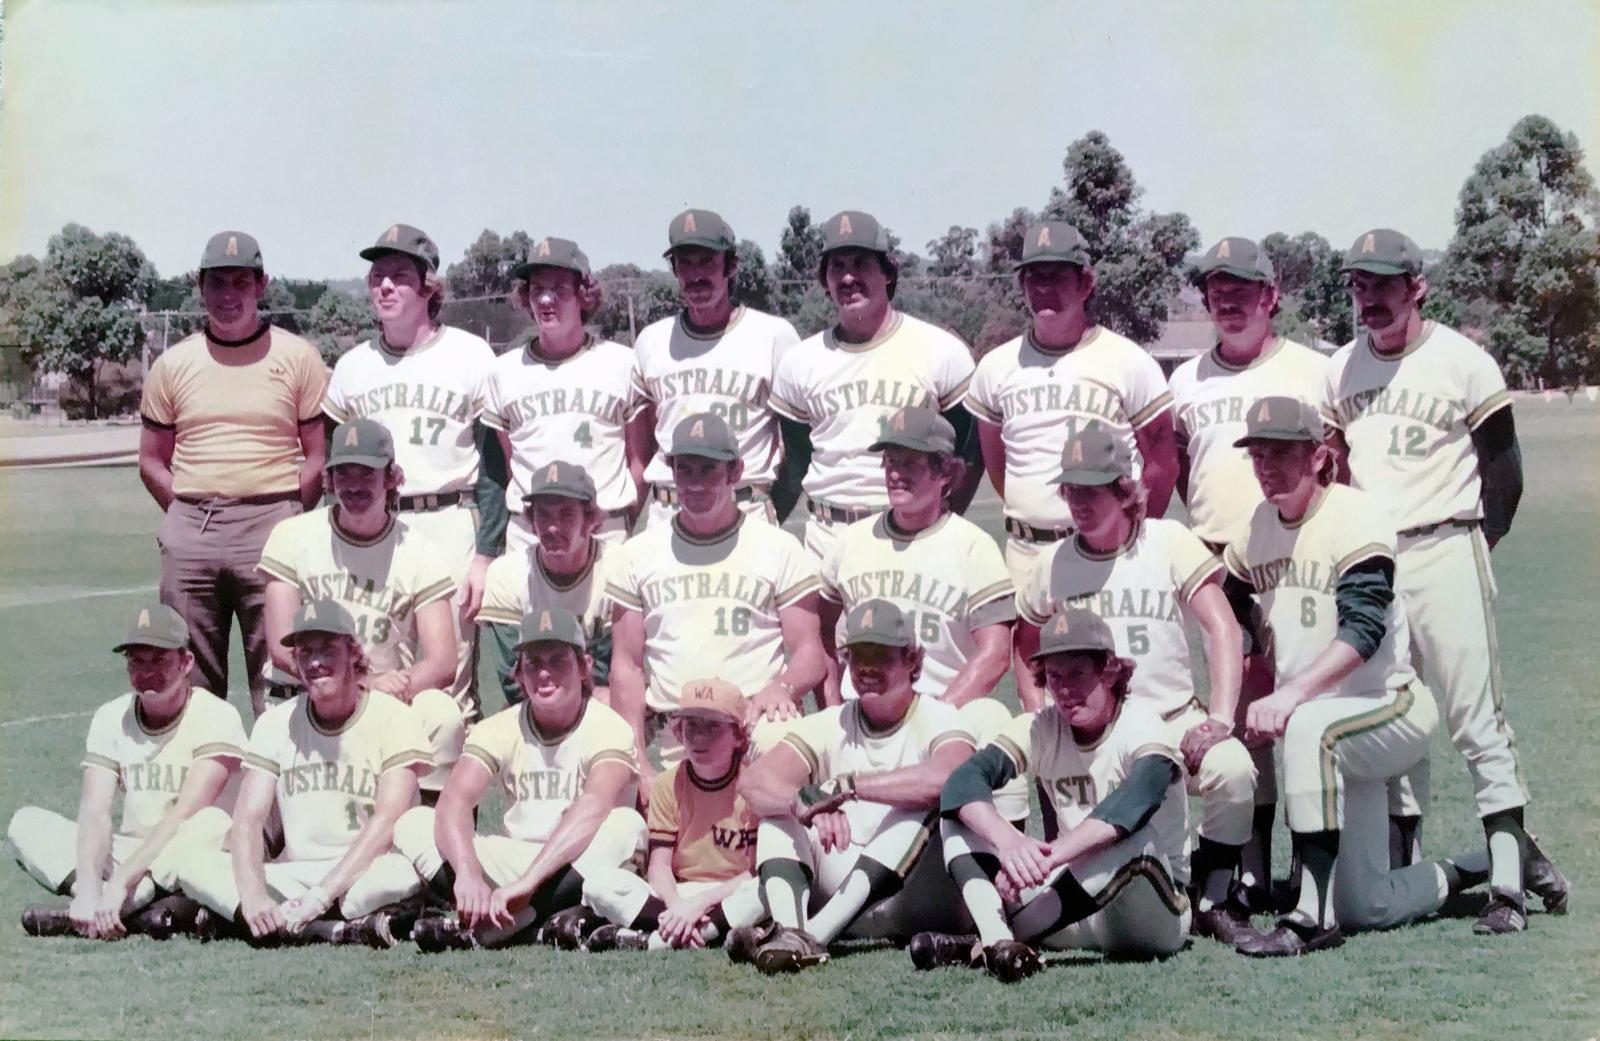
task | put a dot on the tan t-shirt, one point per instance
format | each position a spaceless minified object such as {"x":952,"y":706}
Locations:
{"x":236,"y":411}
{"x":711,"y":829}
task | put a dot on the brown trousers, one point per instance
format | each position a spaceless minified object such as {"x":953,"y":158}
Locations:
{"x":209,"y":557}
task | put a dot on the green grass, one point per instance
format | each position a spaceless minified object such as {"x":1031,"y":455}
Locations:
{"x":67,"y":532}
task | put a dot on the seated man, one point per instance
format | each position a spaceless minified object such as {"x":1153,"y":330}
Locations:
{"x":172,"y":753}
{"x":340,"y":764}
{"x":565,"y":568}
{"x":565,"y":765}
{"x":700,"y":879}
{"x":847,"y":802}
{"x":1112,"y":880}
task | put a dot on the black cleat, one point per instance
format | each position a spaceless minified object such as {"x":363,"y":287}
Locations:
{"x":790,"y":950}
{"x":611,"y":937}
{"x":1505,"y":914}
{"x":1290,"y":939}
{"x":1544,"y":880}
{"x":1227,"y":923}
{"x":936,"y":950}
{"x":165,"y":918}
{"x":437,"y":933}
{"x":743,"y":942}
{"x":567,"y":929}
{"x":41,"y":920}
{"x":371,"y":930}
{"x":1011,"y":960}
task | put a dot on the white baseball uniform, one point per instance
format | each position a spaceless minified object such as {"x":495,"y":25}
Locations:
{"x":575,"y":410}
{"x":846,"y":393}
{"x":1408,"y":420}
{"x":727,"y":373}
{"x":1039,"y":398}
{"x":1141,"y":591}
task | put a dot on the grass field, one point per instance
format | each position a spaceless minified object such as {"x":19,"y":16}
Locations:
{"x":73,"y":544}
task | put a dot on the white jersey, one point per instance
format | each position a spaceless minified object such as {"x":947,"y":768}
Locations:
{"x":150,"y":765}
{"x":711,"y":605}
{"x":1078,"y":777}
{"x":1140,"y":590}
{"x":1039,"y":398}
{"x":727,"y":373}
{"x":381,"y":581}
{"x":518,"y":583}
{"x":575,"y":410}
{"x":1295,"y":571}
{"x":328,"y":778}
{"x":847,"y":392}
{"x":543,"y":774}
{"x":1209,"y":399}
{"x":1408,"y":420}
{"x":948,"y":579}
{"x":428,"y":397}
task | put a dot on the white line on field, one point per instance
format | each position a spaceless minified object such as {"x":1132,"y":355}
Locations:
{"x":26,"y":720}
{"x":61,"y":595}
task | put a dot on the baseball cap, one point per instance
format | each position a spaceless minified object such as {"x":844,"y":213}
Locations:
{"x":362,"y":442}
{"x":920,"y":429}
{"x":699,"y":228}
{"x":550,"y":624}
{"x":876,"y":621}
{"x":1238,"y":257}
{"x":568,"y":480}
{"x":1094,"y":456}
{"x":711,"y":699}
{"x":1383,"y":251}
{"x":232,"y":249}
{"x":852,"y":229}
{"x":1054,"y":241}
{"x":320,"y":616}
{"x":1074,"y":629}
{"x":1281,"y":419}
{"x":403,"y":238}
{"x":562,"y":253}
{"x":704,"y":435}
{"x":155,"y":625}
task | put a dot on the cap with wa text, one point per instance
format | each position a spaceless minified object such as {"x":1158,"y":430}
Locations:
{"x":549,"y":252}
{"x":562,"y":479}
{"x":877,"y":621}
{"x":1074,"y":629}
{"x":550,"y":625}
{"x":407,"y":240}
{"x":361,"y":442}
{"x":232,"y":249}
{"x":1281,"y":419}
{"x":155,"y":625}
{"x":919,"y":429}
{"x":1238,"y":257}
{"x":1054,"y":241}
{"x":711,"y":699}
{"x":702,"y":228}
{"x":320,"y":616}
{"x":1384,"y":251}
{"x":705,"y":435}
{"x":1092,"y":456}
{"x":853,"y":229}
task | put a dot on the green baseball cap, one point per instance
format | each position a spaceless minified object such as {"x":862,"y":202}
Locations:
{"x":361,"y":442}
{"x":550,"y":625}
{"x":232,"y":249}
{"x":920,"y":429}
{"x":1238,"y":257}
{"x":704,"y":435}
{"x":1383,"y":251}
{"x":567,"y":480}
{"x":1074,"y":629}
{"x":852,"y":229}
{"x":155,"y":625}
{"x":320,"y":616}
{"x":1094,"y":456}
{"x":699,"y":228}
{"x":1056,"y":242}
{"x":1281,"y":419}
{"x":877,"y":621}
{"x":403,"y":238}
{"x":561,"y":253}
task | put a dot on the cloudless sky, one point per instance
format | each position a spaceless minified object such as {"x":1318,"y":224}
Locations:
{"x":315,"y":124}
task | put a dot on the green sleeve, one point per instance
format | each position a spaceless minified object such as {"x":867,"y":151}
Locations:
{"x":1242,"y":599}
{"x":600,"y":651}
{"x":976,"y":779}
{"x":1132,"y":803}
{"x":500,"y":641}
{"x":796,"y":460}
{"x":1363,"y":597}
{"x":490,"y":492}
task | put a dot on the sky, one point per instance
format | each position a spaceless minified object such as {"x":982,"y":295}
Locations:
{"x":315,"y":124}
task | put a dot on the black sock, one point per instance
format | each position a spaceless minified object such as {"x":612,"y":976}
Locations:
{"x":796,"y":874}
{"x":65,"y":888}
{"x":970,"y":866}
{"x":1214,"y":865}
{"x":443,"y":883}
{"x":719,"y":920}
{"x":649,"y":915}
{"x":1318,"y":852}
{"x":560,"y":891}
{"x":1405,"y":835}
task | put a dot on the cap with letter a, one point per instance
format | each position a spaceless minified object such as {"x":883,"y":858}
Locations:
{"x":877,"y":621}
{"x":852,"y":229}
{"x":567,"y":480}
{"x":1238,"y":257}
{"x":550,"y":252}
{"x":361,"y":442}
{"x":1054,"y":242}
{"x":711,"y":699}
{"x":702,"y":228}
{"x":1281,"y":419}
{"x":919,"y":429}
{"x":705,"y":435}
{"x":1074,"y":629}
{"x":232,"y":249}
{"x":1383,"y":251}
{"x":550,"y":625}
{"x":320,"y":616}
{"x":403,"y":238}
{"x":1093,"y":456}
{"x":155,"y":625}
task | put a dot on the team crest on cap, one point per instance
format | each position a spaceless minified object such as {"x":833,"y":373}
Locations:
{"x":866,"y":619}
{"x":1077,"y":451}
{"x":311,"y":613}
{"x":233,"y":246}
{"x":144,"y":618}
{"x":1369,"y":244}
{"x":1061,"y":625}
{"x":699,"y":429}
{"x":899,"y":420}
{"x":545,"y":625}
{"x":688,"y":222}
{"x":844,"y":225}
{"x":1263,"y":414}
{"x":1224,"y":251}
{"x":394,"y":234}
{"x":1044,"y":238}
{"x":351,"y":436}
{"x":551,"y":474}
{"x":544,"y":247}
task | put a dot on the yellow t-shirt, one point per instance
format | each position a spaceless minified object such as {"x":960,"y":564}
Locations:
{"x":711,"y":830}
{"x":236,"y":411}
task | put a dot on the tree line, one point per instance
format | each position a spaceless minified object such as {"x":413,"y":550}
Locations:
{"x":1521,"y":274}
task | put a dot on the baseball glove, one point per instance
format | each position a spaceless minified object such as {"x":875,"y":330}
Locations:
{"x":824,"y":797}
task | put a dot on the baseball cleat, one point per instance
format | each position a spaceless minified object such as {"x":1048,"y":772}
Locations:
{"x":1505,"y":914}
{"x":790,"y":950}
{"x":1290,"y":939}
{"x":163,"y":919}
{"x":41,"y":920}
{"x":1544,"y":880}
{"x":1225,"y":923}
{"x":743,"y":942}
{"x":441,"y":933}
{"x":936,"y":950}
{"x":1011,"y":960}
{"x":371,"y":930}
{"x":567,"y":929}
{"x":611,"y":937}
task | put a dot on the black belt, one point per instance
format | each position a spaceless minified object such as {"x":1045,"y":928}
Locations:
{"x":218,"y":502}
{"x":424,"y":503}
{"x":840,"y":514}
{"x":667,"y":495}
{"x":1028,"y":533}
{"x":1429,"y":529}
